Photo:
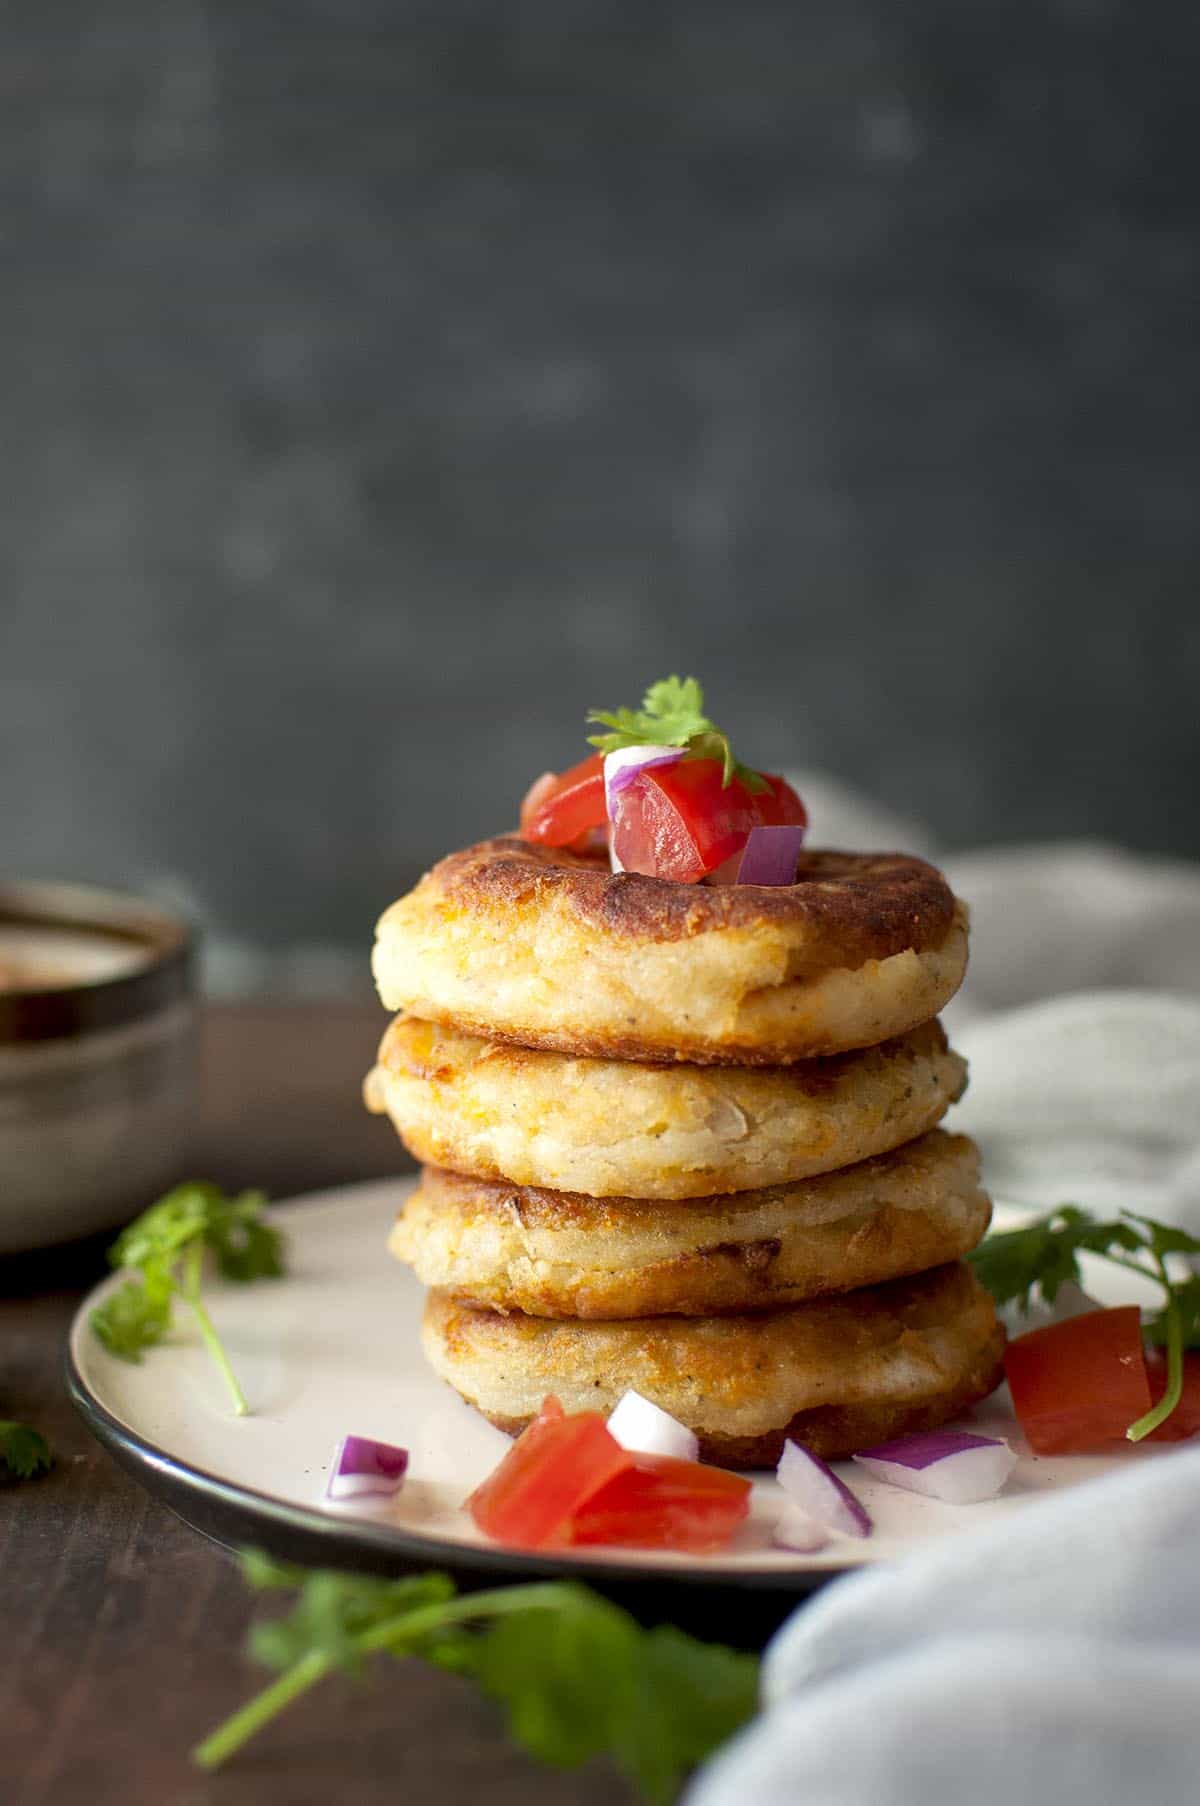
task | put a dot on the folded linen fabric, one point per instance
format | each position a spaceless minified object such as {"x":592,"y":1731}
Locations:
{"x":1052,"y":1658}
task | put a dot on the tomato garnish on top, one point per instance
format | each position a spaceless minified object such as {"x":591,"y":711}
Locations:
{"x":559,"y":808}
{"x":682,"y":821}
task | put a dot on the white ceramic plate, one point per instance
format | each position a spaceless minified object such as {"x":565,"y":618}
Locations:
{"x":334,"y":1348}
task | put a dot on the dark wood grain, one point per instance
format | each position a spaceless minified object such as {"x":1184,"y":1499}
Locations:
{"x":121,"y":1630}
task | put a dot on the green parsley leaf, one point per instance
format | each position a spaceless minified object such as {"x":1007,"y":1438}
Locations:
{"x":1187,"y":1304}
{"x":576,"y":1676}
{"x":1045,"y":1254}
{"x":672,"y":714}
{"x":1042,"y":1256}
{"x":23,"y":1451}
{"x":552,"y":1668}
{"x":246,"y":1248}
{"x":133,"y":1318}
{"x":688,"y":1698}
{"x":265,"y":1574}
{"x":579,"y":1678}
{"x":167,"y":1245}
{"x":1164,"y":1238}
{"x":334,"y":1610}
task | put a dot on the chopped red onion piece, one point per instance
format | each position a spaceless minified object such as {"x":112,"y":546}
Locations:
{"x":816,"y":1489}
{"x":953,"y":1465}
{"x":770,"y":855}
{"x":621,"y":767}
{"x":362,"y":1466}
{"x":646,"y":1429}
{"x":795,"y":1529}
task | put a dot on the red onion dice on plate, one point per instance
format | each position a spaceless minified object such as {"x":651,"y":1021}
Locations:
{"x":795,"y":1529}
{"x":812,"y":1485}
{"x":363,"y":1467}
{"x":953,"y":1465}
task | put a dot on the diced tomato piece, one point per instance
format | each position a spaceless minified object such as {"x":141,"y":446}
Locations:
{"x":1079,"y":1384}
{"x":682,"y":821}
{"x":549,"y":1472}
{"x":663,"y":1503}
{"x":539,"y":792}
{"x":780,"y":807}
{"x":1184,"y":1420}
{"x":558,"y":809}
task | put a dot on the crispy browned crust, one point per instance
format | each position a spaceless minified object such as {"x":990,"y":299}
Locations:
{"x":835,"y":1432}
{"x":610,"y":1044}
{"x":838,"y":1373}
{"x":626,"y":1128}
{"x":400,"y":1050}
{"x":524,"y":945}
{"x":852,"y":907}
{"x":557,"y":1254}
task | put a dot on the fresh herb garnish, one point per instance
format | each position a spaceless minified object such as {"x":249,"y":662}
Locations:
{"x":22,"y":1451}
{"x":167,"y":1245}
{"x":1045,"y":1255}
{"x":672,"y":714}
{"x":576,"y":1676}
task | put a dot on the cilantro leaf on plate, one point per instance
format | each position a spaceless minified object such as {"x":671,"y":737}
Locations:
{"x":1044,"y":1255}
{"x":1016,"y":1262}
{"x":246,"y":1248}
{"x":167,"y":1245}
{"x":133,"y":1318}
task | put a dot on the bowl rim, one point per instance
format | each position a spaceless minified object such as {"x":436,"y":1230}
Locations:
{"x":64,"y":1012}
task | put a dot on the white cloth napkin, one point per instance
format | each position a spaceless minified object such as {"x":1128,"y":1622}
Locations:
{"x":1053,"y":1658}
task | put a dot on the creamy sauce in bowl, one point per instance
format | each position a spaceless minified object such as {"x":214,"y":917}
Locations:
{"x":41,"y":958}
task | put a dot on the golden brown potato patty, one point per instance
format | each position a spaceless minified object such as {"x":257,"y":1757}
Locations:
{"x":551,"y":949}
{"x":555,"y":1254}
{"x":836,"y":1375}
{"x":613,"y":1128}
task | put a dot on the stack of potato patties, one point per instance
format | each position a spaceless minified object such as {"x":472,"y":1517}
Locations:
{"x":681,"y":1139}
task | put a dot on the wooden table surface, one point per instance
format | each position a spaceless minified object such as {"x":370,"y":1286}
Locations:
{"x":121,"y":1630}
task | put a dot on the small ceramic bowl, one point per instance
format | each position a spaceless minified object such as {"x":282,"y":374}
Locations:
{"x":98,"y":1068}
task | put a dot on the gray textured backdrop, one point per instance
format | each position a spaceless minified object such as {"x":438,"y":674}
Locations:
{"x":383,"y":383}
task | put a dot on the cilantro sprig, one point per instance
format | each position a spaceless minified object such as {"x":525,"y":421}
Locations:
{"x":23,"y":1452}
{"x":166,"y":1246}
{"x":1045,"y":1255}
{"x":672,"y":714}
{"x":576,"y":1676}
